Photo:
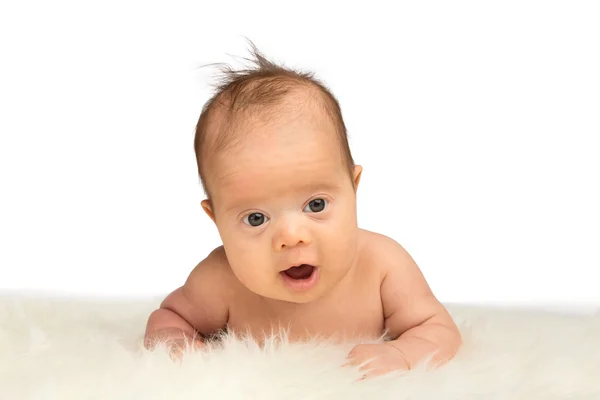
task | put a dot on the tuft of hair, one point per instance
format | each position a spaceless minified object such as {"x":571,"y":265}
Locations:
{"x":261,"y":85}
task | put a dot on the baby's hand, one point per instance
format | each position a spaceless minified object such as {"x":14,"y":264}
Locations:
{"x":174,"y":341}
{"x":177,"y":347}
{"x":379,"y":359}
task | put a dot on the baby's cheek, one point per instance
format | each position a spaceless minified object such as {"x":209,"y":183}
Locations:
{"x":249,"y":273}
{"x":339,"y":239}
{"x":249,"y":262}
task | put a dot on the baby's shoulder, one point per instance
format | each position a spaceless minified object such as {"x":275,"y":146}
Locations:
{"x":213,"y":273}
{"x":379,"y":251}
{"x":372,"y":242}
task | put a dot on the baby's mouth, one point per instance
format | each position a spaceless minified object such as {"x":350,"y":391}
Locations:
{"x":303,"y":271}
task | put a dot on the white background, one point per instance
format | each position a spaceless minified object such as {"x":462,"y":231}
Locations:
{"x":477,"y":124}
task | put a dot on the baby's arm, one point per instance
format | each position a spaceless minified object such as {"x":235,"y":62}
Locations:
{"x":414,"y":318}
{"x":196,"y":309}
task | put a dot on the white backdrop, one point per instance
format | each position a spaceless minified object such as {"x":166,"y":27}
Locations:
{"x":477,"y":125}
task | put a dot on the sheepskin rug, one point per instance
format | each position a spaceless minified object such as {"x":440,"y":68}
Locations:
{"x":52,"y":348}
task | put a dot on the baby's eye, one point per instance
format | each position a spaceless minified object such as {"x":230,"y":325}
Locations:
{"x":316,"y":205}
{"x":255,"y":219}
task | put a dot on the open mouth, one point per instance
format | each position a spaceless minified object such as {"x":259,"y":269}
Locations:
{"x":300,"y":278}
{"x":300,"y":272}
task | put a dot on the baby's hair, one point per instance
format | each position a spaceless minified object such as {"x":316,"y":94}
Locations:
{"x":264,"y":86}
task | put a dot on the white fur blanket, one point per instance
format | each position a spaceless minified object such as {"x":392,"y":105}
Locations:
{"x":78,"y":349}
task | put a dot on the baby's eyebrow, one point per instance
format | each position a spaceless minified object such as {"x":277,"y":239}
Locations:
{"x":237,"y":204}
{"x":317,"y":186}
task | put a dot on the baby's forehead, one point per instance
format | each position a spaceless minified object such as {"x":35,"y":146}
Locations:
{"x":295,"y":145}
{"x":249,"y":185}
{"x":292,"y":164}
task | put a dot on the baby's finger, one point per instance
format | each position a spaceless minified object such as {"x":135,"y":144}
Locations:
{"x":351,"y":361}
{"x":354,"y":362}
{"x":366,"y":371}
{"x":198,"y":344}
{"x":376,"y":370}
{"x":366,"y":367}
{"x":176,"y":354}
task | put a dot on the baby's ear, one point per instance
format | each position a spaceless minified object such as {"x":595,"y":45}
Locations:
{"x":208,"y":209}
{"x":356,"y":175}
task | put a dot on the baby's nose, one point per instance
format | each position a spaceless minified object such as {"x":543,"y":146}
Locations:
{"x":291,"y":234}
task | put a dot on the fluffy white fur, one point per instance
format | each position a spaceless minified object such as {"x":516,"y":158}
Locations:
{"x":78,"y":349}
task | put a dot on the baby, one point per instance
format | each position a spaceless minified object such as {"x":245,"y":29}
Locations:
{"x":275,"y":163}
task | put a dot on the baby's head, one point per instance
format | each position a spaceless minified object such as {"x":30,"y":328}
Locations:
{"x":274,"y":161}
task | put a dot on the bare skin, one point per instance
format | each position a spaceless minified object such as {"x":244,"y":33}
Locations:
{"x":284,"y":198}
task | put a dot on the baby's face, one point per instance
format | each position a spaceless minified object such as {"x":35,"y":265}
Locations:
{"x":284,"y":198}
